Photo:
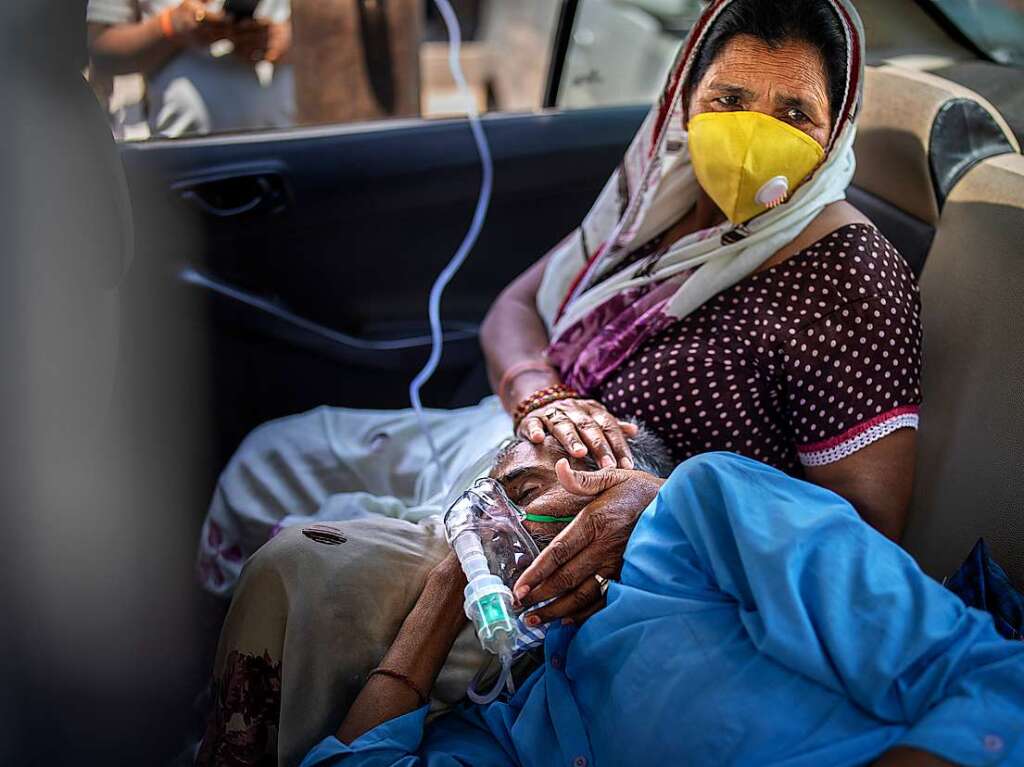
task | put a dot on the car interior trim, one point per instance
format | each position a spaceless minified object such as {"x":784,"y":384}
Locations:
{"x":963,"y":134}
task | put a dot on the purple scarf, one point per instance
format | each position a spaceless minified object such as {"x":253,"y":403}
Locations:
{"x":588,"y":352}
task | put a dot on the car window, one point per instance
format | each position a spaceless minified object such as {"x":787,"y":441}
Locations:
{"x":995,"y":26}
{"x":174,"y":68}
{"x":620,"y":50}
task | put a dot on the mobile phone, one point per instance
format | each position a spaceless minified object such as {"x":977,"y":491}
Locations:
{"x":240,"y":9}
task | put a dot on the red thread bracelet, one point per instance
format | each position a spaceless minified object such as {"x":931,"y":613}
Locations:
{"x":403,"y":679}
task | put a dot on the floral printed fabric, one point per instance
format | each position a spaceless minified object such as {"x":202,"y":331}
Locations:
{"x":597,"y":345}
{"x":242,"y":729}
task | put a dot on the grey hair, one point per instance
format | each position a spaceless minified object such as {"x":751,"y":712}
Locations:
{"x":650,"y":453}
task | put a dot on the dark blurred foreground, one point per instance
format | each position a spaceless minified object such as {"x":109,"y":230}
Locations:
{"x":98,"y":408}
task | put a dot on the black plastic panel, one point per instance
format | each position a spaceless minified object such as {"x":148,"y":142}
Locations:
{"x":376,"y":212}
{"x":963,"y":134}
{"x":1002,"y":85}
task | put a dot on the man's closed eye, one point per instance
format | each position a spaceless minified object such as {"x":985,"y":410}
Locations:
{"x":527,"y":493}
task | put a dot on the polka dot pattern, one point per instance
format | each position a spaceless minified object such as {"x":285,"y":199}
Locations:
{"x":791,"y":356}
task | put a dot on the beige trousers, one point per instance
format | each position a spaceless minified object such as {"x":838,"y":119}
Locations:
{"x":316,"y":609}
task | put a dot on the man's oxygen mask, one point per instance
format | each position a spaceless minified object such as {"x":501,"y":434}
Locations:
{"x":484,"y":528}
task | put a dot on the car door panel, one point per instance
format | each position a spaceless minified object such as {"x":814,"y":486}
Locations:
{"x":314,"y":249}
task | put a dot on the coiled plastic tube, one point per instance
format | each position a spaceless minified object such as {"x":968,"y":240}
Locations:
{"x":504,"y":680}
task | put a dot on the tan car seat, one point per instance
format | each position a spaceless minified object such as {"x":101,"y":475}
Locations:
{"x":917,"y":136}
{"x":936,"y":160}
{"x":970,"y":470}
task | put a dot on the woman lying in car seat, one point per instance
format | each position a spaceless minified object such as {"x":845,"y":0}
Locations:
{"x":720,"y":290}
{"x":757,"y":620}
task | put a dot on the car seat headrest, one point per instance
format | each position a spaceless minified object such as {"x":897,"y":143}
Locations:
{"x":919,"y":134}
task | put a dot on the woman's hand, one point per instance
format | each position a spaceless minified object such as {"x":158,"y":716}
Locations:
{"x":582,"y":426}
{"x":592,"y":544}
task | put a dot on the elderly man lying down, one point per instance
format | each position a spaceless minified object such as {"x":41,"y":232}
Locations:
{"x":756,"y":620}
{"x":319,"y":605}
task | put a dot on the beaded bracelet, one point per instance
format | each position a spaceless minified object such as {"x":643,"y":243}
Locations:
{"x":539,"y":399}
{"x":529,"y":366}
{"x":403,"y":679}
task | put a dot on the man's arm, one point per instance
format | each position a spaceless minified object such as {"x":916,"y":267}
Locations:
{"x":418,"y":653}
{"x":144,"y":46}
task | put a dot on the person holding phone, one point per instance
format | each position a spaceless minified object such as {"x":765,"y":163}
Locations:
{"x":196,"y":84}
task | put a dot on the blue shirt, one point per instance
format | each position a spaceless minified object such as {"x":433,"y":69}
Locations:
{"x":758,"y":621}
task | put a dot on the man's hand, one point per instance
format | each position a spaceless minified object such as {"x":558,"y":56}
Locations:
{"x":261,"y":40}
{"x":582,"y":426}
{"x":592,"y":544}
{"x":196,"y":25}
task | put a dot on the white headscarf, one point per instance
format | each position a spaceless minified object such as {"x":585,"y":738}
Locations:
{"x":655,"y":186}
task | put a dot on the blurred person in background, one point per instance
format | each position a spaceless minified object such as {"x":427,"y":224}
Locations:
{"x":192,"y":85}
{"x":357,"y":60}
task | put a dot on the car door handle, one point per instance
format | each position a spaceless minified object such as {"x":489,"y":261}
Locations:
{"x":197,"y":199}
{"x":232,"y":194}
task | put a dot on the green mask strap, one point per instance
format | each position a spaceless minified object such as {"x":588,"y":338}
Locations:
{"x":544,"y":518}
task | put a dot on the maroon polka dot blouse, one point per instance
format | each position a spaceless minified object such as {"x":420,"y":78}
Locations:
{"x":802,"y":364}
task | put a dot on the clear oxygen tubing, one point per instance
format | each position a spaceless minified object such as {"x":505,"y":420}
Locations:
{"x":451,"y":21}
{"x":504,"y":681}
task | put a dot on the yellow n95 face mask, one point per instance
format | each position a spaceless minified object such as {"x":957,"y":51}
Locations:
{"x":749,"y":162}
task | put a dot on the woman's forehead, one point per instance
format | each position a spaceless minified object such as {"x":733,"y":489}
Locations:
{"x":793,"y":69}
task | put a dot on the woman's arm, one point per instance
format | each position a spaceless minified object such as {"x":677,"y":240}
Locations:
{"x":876,"y":480}
{"x":418,"y":653}
{"x":513,"y":332}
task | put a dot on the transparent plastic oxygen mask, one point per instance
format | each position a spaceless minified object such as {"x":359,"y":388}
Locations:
{"x":484,"y":528}
{"x":485,"y":512}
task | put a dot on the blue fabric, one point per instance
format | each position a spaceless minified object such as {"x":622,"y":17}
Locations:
{"x":758,"y":621}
